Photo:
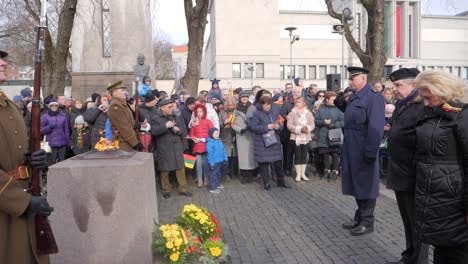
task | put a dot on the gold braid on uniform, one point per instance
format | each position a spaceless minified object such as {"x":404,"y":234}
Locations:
{"x":6,"y":185}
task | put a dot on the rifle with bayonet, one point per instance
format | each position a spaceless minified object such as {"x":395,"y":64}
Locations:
{"x":45,"y":240}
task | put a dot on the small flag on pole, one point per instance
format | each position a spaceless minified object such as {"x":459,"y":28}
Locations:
{"x":189,"y":161}
{"x":280,"y":120}
{"x":231,"y":118}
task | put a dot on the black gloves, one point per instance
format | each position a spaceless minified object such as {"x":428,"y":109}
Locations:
{"x":243,"y":131}
{"x":138,"y":147}
{"x":137,"y":126}
{"x":370,"y":160}
{"x":39,"y":205}
{"x":38,"y":159}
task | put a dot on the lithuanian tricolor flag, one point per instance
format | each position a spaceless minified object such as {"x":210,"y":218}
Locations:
{"x":189,"y":161}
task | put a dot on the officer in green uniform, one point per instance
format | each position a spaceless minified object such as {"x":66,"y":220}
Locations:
{"x":17,"y":207}
{"x":121,"y":118}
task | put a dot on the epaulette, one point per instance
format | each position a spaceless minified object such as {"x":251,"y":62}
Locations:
{"x":3,"y":99}
{"x":449,"y":108}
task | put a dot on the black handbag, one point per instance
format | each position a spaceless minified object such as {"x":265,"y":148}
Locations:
{"x":335,"y":137}
{"x":269,"y":138}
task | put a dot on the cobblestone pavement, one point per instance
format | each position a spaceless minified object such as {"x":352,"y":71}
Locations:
{"x":298,"y":225}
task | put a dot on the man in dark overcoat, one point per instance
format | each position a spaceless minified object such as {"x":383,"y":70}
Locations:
{"x":169,"y":131}
{"x":17,"y":207}
{"x":401,"y":149}
{"x":363,"y":130}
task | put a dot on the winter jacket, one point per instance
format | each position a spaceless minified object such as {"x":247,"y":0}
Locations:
{"x":80,"y":140}
{"x":294,"y":126}
{"x":96,"y":120}
{"x":442,"y":175}
{"x":59,"y":135}
{"x":259,"y":126}
{"x":401,"y":146}
{"x":74,"y":113}
{"x":215,"y":151}
{"x":200,"y":131}
{"x":244,"y":138}
{"x":144,"y":89}
{"x":211,"y":115}
{"x":227,"y":135}
{"x":337,"y":121}
{"x":186,"y":114}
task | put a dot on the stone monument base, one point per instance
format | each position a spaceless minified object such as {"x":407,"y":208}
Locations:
{"x":105,"y":209}
{"x":86,"y":83}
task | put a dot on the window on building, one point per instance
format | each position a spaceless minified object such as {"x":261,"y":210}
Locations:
{"x":358,"y":28}
{"x":457,"y":71}
{"x":259,"y":70}
{"x":281,"y":72}
{"x":312,"y":72}
{"x":291,"y":71}
{"x":322,"y":72}
{"x":106,"y":29}
{"x":333,"y":69}
{"x":423,"y":68}
{"x":440,"y":68}
{"x":448,"y":69}
{"x":301,"y":71}
{"x":236,"y":70}
{"x":248,"y":69}
{"x":465,"y":73}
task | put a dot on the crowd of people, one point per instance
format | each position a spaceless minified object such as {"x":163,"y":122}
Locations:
{"x":413,"y":135}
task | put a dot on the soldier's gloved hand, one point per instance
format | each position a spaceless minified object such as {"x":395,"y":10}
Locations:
{"x":52,"y":126}
{"x":370,"y":160}
{"x":38,"y":159}
{"x":138,"y":147}
{"x":39,"y":205}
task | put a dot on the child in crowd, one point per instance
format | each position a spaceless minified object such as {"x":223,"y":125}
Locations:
{"x":383,"y":154}
{"x":80,"y":136}
{"x":216,"y":158}
{"x":199,"y":134}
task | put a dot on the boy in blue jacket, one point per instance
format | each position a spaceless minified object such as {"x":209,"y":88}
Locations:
{"x":216,"y":155}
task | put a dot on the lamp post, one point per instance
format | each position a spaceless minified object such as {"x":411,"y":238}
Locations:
{"x":250,"y":68}
{"x":345,"y":15}
{"x":292,"y":39}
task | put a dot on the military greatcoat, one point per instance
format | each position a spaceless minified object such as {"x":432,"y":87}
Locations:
{"x":17,"y":233}
{"x":122,"y":120}
{"x":364,"y":121}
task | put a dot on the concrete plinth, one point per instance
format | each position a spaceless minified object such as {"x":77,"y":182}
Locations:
{"x":104,"y":209}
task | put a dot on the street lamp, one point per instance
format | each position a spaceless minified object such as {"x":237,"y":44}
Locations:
{"x":250,"y":68}
{"x":345,"y":15}
{"x":292,"y":39}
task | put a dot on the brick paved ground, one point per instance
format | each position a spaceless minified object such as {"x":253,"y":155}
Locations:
{"x":298,"y":225}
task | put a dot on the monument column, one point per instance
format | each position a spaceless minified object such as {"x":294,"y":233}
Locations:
{"x":106,"y":41}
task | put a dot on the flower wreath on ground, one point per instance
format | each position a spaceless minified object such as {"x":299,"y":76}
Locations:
{"x":197,"y":237}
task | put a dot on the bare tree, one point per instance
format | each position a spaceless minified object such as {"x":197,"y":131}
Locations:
{"x":164,"y":66}
{"x":373,"y":57}
{"x":196,"y":23}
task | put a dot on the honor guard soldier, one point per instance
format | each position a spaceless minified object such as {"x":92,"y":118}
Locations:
{"x":121,"y":118}
{"x":363,"y":130}
{"x":17,"y":207}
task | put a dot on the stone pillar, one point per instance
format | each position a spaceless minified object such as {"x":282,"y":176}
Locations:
{"x":105,"y":209}
{"x":417,"y":30}
{"x":405,"y":29}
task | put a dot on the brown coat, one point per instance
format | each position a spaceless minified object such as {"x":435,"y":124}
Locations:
{"x":122,"y":120}
{"x":17,"y":235}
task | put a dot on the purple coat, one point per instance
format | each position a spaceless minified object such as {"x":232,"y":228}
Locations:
{"x":58,"y":136}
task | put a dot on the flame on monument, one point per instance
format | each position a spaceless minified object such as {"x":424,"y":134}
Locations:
{"x":108,"y":143}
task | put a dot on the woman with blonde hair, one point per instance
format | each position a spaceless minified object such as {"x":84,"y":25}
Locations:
{"x":227,"y":135}
{"x":301,"y":123}
{"x":442,"y":167}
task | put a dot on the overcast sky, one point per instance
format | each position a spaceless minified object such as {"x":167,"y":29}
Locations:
{"x":169,"y":15}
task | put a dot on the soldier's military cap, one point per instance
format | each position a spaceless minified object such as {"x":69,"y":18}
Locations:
{"x":354,"y":71}
{"x":165,"y":101}
{"x":3,"y":54}
{"x":117,"y":85}
{"x":404,"y":73}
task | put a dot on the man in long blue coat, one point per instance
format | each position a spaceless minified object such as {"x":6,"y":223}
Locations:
{"x":363,"y":130}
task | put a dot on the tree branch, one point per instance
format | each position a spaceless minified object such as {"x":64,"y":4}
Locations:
{"x":28,"y":7}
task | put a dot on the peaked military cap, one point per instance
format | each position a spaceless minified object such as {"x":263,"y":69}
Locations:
{"x":404,"y":73}
{"x":117,"y":85}
{"x":3,"y":54}
{"x":354,"y":71}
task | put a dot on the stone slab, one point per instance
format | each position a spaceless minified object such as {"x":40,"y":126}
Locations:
{"x":104,"y":209}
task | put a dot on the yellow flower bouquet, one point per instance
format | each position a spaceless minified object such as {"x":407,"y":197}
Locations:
{"x":173,"y":241}
{"x":198,"y":220}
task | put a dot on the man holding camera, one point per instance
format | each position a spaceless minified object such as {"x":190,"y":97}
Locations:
{"x":121,"y":118}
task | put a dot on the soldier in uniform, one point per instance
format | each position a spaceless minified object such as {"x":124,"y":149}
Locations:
{"x":17,"y":207}
{"x":121,"y":118}
{"x":363,"y":130}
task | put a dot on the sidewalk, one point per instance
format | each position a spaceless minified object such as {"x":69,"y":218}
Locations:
{"x":298,"y":225}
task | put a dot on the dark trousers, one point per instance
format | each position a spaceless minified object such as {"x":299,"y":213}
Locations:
{"x":365,"y":213}
{"x":57,"y":155}
{"x":300,"y":153}
{"x":451,"y":255}
{"x":415,"y":251}
{"x":215,"y":175}
{"x":264,"y":166}
{"x":331,"y":161}
{"x":288,"y":155}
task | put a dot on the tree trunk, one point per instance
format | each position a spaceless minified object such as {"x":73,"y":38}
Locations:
{"x":373,"y":58}
{"x":196,"y":23}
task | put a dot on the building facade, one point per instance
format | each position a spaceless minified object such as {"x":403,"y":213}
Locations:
{"x":255,"y":48}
